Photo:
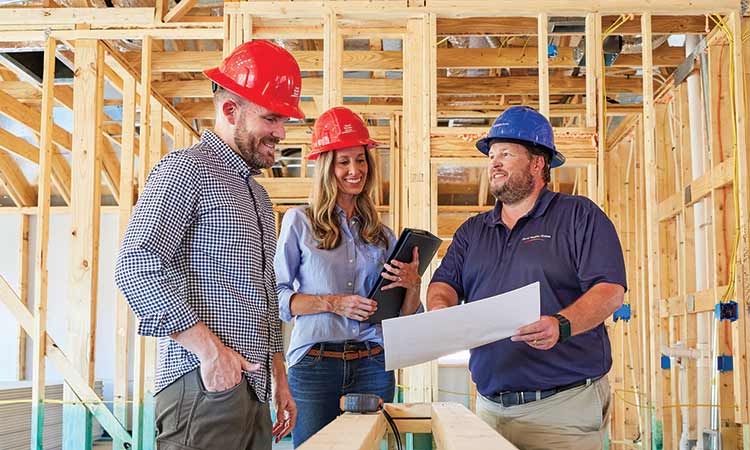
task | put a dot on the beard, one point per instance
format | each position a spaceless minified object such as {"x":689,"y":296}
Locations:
{"x":249,"y":147}
{"x":517,"y":187}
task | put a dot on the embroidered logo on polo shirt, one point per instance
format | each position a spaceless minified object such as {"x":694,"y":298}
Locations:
{"x":535,"y":238}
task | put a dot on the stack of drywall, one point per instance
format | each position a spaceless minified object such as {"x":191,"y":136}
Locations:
{"x":15,"y":418}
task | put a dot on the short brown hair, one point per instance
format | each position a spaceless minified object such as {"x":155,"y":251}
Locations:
{"x":539,"y":151}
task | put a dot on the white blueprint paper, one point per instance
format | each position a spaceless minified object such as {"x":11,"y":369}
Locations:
{"x":423,"y":337}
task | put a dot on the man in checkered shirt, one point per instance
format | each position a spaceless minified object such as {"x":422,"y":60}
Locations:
{"x":196,"y":265}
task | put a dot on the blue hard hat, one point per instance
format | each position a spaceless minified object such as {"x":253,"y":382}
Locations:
{"x":524,"y":125}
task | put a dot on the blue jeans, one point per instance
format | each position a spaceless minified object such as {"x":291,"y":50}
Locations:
{"x":317,"y":384}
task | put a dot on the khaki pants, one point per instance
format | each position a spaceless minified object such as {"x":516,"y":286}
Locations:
{"x":190,"y":418}
{"x":575,"y":419}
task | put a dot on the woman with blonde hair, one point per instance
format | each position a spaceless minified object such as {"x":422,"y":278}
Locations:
{"x":329,"y":255}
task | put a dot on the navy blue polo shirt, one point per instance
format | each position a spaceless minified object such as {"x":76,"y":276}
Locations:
{"x":568,"y":245}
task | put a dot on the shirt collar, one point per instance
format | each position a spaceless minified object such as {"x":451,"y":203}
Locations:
{"x":540,"y":207}
{"x":342,"y":213}
{"x":229,"y":156}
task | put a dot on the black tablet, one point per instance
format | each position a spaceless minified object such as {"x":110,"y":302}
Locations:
{"x":390,"y":301}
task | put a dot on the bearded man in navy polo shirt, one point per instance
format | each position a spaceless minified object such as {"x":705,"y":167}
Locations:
{"x":546,"y":386}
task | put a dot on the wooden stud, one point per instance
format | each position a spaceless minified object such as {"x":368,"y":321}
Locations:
{"x":543,"y":65}
{"x":419,"y":87}
{"x":652,"y":234}
{"x":88,"y":84}
{"x":123,"y":323}
{"x":156,"y":146}
{"x":333,"y":48}
{"x":39,"y":333}
{"x":23,"y":260}
{"x":591,"y":73}
{"x":145,"y":111}
{"x":741,"y":328}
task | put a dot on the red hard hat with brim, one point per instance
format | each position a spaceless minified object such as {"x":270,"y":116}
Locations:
{"x":263,"y":73}
{"x":339,"y":128}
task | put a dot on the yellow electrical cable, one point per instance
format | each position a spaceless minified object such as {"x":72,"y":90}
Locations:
{"x":721,"y":24}
{"x":611,"y":29}
{"x":618,"y":394}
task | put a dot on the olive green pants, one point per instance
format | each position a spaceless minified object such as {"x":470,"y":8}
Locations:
{"x":575,"y":419}
{"x":190,"y":418}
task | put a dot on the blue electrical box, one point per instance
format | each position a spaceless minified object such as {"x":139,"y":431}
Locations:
{"x":724,"y":363}
{"x":726,"y":311}
{"x":623,"y":312}
{"x":552,"y":51}
{"x":666,"y":363}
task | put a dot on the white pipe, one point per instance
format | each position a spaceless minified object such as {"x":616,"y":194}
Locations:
{"x":700,"y":238}
{"x":680,"y":352}
{"x":684,"y":436}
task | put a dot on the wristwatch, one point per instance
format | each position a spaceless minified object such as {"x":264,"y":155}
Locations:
{"x":564,"y":327}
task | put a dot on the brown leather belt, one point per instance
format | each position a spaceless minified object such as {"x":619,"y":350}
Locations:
{"x":348,"y":355}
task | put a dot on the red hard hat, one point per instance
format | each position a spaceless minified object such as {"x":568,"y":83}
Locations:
{"x":337,"y":128}
{"x":263,"y":73}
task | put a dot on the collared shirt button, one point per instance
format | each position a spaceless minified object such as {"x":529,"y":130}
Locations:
{"x":351,"y":261}
{"x":349,"y":283}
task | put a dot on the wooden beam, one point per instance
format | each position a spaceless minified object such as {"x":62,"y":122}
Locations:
{"x":84,"y":393}
{"x":361,"y":432}
{"x":543,"y":65}
{"x":390,"y":87}
{"x":455,"y":428}
{"x":123,"y":323}
{"x":119,"y":66}
{"x":333,"y":49}
{"x":527,"y":26}
{"x":714,"y":178}
{"x":687,"y":24}
{"x":88,"y":89}
{"x":458,"y":142}
{"x":652,"y":224}
{"x":741,"y":330}
{"x":95,"y":17}
{"x":46,"y":162}
{"x":28,"y":116}
{"x":591,"y":72}
{"x":475,"y":8}
{"x":23,"y":261}
{"x":15,"y":182}
{"x":145,"y":110}
{"x":416,"y":192}
{"x":373,"y":60}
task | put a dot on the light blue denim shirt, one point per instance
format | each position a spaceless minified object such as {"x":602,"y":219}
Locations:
{"x":301,"y":267}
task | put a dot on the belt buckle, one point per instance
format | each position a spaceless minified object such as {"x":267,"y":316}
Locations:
{"x":518,"y":398}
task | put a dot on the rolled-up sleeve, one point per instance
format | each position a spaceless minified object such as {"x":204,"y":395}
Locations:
{"x":287,"y":261}
{"x":164,"y":211}
{"x":451,"y":267}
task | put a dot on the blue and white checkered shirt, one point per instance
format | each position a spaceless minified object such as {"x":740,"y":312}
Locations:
{"x":200,"y":247}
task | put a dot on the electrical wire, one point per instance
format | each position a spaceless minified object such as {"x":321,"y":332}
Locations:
{"x":722,"y":25}
{"x":394,"y":428}
{"x":611,"y":29}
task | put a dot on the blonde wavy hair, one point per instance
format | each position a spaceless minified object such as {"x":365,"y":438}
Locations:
{"x":321,"y":211}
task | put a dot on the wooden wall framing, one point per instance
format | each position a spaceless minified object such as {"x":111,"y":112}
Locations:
{"x":640,"y":174}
